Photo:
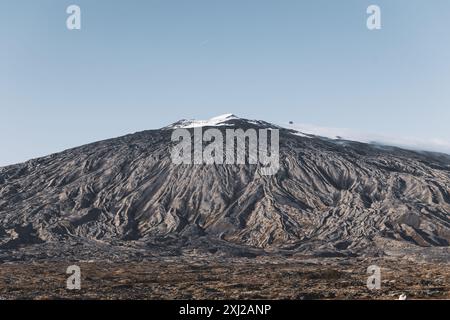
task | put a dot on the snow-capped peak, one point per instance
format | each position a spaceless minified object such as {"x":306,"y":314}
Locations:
{"x":224,"y":117}
{"x":216,"y":121}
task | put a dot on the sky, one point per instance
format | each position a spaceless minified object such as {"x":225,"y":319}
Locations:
{"x":138,"y":65}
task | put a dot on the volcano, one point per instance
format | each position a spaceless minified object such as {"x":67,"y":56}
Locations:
{"x":124,"y":197}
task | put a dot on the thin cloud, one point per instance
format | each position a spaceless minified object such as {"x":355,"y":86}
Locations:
{"x":436,"y":145}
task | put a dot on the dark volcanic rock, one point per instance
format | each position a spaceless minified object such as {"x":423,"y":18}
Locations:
{"x":332,"y":198}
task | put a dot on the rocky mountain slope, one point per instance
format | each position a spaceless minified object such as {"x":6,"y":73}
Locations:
{"x":329,"y":198}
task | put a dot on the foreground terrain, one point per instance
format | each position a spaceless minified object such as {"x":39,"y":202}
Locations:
{"x":260,"y":278}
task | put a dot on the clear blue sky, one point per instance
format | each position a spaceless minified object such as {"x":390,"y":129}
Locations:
{"x":138,"y":65}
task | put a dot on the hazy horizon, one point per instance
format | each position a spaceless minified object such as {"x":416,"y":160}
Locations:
{"x":407,"y":143}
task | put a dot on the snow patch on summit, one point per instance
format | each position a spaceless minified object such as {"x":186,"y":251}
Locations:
{"x":216,"y":121}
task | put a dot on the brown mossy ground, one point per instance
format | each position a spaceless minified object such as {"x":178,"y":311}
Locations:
{"x":237,"y":279}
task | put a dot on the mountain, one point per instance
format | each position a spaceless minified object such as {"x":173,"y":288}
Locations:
{"x":124,"y":196}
